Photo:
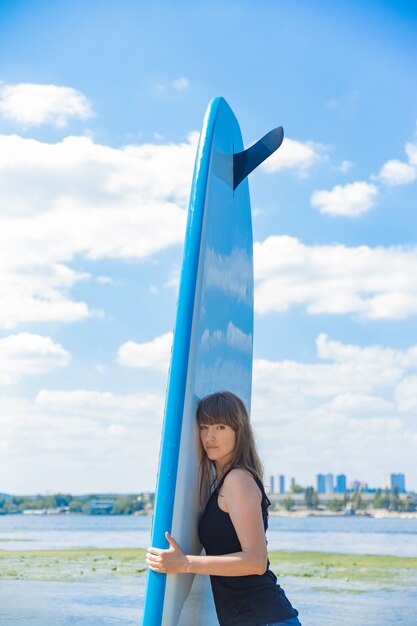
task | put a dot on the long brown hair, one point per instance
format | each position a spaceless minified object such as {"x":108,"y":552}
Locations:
{"x":224,"y":407}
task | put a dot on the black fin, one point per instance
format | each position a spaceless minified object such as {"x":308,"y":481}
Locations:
{"x":246,"y":161}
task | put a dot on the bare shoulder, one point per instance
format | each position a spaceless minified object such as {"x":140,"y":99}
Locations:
{"x":239,"y":475}
{"x":241,"y":480}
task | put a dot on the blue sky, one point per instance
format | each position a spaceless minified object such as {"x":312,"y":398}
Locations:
{"x":100,"y":108}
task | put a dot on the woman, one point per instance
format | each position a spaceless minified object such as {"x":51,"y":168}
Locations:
{"x":232,"y":528}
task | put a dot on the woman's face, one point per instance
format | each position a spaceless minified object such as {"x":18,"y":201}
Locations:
{"x":219,"y":442}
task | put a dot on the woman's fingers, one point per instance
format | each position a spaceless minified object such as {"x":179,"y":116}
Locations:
{"x":172,"y":541}
{"x":153,"y":559}
{"x":156,"y":569}
{"x":154,"y":562}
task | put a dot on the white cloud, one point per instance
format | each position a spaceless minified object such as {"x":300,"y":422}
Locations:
{"x":346,"y":102}
{"x":181,"y":83}
{"x":103,"y":403}
{"x":396,"y":172}
{"x":104,"y":280}
{"x":369,"y":283}
{"x":385,"y":358}
{"x":37,"y":293}
{"x":347,"y":415}
{"x":77,"y":198}
{"x":294,"y":155}
{"x":32,"y":105}
{"x":153,"y":354}
{"x":411,"y":151}
{"x":173,"y":281}
{"x":25,"y":353}
{"x":348,"y":200}
{"x":296,"y":382}
{"x":116,"y":444}
{"x":355,"y":403}
{"x":406,"y":394}
{"x":346,"y":166}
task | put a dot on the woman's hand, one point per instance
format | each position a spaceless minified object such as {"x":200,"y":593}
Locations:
{"x":171,"y":561}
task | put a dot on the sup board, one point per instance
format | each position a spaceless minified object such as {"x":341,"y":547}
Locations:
{"x":212,"y":348}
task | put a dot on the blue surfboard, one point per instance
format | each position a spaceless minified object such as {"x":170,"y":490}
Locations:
{"x":212,"y":348}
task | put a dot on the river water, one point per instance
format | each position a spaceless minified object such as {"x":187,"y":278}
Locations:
{"x":352,"y":535}
{"x":120,"y":602}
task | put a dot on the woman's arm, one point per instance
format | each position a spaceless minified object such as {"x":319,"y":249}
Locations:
{"x":241,"y":497}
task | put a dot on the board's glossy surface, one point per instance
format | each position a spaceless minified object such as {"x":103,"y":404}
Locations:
{"x":212,"y":351}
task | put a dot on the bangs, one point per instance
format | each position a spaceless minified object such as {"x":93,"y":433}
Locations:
{"x":216,"y":409}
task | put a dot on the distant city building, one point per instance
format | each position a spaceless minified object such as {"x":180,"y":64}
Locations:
{"x":397,"y":480}
{"x":277,"y":484}
{"x":321,"y":485}
{"x":329,"y":483}
{"x":292,"y":483}
{"x":325,"y":483}
{"x":340,"y":483}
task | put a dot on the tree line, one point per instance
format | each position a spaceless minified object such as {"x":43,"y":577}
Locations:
{"x":89,"y":504}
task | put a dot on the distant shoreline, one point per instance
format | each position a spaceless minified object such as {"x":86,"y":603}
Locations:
{"x":372,"y":513}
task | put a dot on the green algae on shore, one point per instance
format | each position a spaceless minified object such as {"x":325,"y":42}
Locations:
{"x":352,"y":572}
{"x":346,"y":572}
{"x":71,"y":565}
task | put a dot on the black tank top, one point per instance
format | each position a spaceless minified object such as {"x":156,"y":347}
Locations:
{"x":241,"y":600}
